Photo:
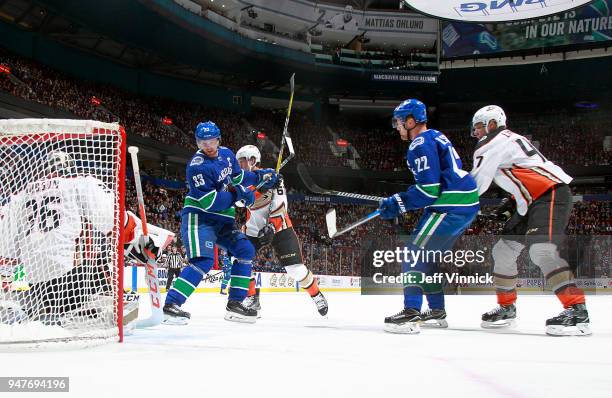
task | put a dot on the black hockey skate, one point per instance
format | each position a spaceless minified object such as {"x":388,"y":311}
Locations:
{"x":174,"y":315}
{"x":253,"y":303}
{"x":321,"y":303}
{"x":434,"y":319}
{"x":237,"y":312}
{"x":503,"y":316}
{"x":573,"y":321}
{"x":405,"y":321}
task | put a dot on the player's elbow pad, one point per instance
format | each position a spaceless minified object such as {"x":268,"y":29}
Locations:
{"x":223,"y":200}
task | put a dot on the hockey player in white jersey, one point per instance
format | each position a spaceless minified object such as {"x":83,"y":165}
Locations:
{"x":542,"y":201}
{"x":56,"y":230}
{"x":50,"y":228}
{"x":268,"y":222}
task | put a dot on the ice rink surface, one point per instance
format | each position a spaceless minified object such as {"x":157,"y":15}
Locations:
{"x":291,"y":352}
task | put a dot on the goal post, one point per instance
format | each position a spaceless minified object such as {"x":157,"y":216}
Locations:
{"x":62,"y":195}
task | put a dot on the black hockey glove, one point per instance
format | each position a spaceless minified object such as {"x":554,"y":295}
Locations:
{"x":266,"y":235}
{"x":505,"y":210}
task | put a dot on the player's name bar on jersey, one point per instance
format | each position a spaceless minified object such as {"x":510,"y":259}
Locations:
{"x":405,"y":77}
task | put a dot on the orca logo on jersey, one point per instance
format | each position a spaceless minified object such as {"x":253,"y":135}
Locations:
{"x":416,"y":142}
{"x":196,"y":161}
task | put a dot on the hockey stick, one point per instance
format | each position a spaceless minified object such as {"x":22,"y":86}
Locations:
{"x":280,"y":163}
{"x":332,"y":229}
{"x":156,"y":316}
{"x":313,"y":187}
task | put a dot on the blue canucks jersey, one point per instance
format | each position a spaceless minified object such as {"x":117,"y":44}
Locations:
{"x":441,"y":184}
{"x":210,"y":181}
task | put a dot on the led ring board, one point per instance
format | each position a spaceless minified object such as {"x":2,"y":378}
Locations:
{"x":493,"y":10}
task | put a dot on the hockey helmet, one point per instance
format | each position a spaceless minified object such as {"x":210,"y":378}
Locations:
{"x":410,"y":107}
{"x":60,"y":163}
{"x":207,"y":131}
{"x":248,"y":152}
{"x":486,"y":114}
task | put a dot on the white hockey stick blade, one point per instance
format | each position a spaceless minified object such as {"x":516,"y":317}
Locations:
{"x":157,"y":315}
{"x":354,"y":225}
{"x":330,"y":219}
{"x":289,"y":143}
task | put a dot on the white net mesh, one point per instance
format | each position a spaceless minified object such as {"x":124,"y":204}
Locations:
{"x":60,"y":212}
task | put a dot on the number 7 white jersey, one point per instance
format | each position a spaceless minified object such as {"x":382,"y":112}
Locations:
{"x":516,"y":166}
{"x":40,"y":225}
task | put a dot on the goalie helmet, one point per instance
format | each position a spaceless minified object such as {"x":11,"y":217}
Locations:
{"x":248,"y":152}
{"x":59,"y":163}
{"x":488,"y":113}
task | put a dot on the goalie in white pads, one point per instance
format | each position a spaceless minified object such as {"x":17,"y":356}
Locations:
{"x":53,"y":228}
{"x":56,"y":231}
{"x":543,"y":203}
{"x":268,"y":222}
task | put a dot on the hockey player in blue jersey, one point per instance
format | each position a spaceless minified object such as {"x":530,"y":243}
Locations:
{"x":450,"y":201}
{"x":215,"y":181}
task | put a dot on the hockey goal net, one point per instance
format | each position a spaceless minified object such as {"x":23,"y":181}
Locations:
{"x":61,"y":219}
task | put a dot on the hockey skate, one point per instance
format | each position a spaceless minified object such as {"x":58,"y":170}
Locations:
{"x":503,"y":316}
{"x":573,"y":321}
{"x":434,"y":318}
{"x":406,"y":321}
{"x":174,"y":315}
{"x":237,"y":312}
{"x":253,"y":303}
{"x":321,"y":303}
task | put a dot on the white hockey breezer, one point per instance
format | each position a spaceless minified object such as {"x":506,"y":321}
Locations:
{"x":61,"y":213}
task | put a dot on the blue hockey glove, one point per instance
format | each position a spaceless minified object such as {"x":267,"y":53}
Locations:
{"x":272,"y":179}
{"x":245,"y":195}
{"x":391,"y":207}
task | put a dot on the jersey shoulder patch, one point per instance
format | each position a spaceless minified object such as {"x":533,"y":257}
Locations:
{"x":196,"y":161}
{"x":416,"y":142}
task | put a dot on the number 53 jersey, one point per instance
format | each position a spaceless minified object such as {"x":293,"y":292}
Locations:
{"x":516,"y":166}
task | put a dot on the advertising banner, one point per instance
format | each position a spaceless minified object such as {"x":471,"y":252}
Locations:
{"x":493,"y":10}
{"x":589,"y":24}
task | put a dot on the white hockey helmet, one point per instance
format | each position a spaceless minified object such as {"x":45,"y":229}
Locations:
{"x":248,"y":152}
{"x":60,"y":163}
{"x":486,"y":114}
